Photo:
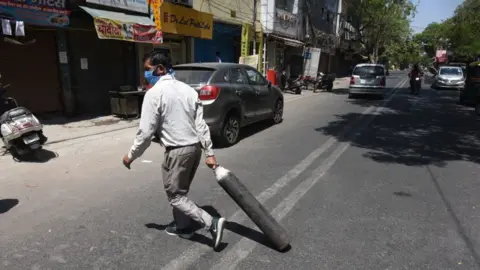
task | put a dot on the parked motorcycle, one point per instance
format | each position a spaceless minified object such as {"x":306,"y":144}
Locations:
{"x":306,"y":81}
{"x":291,"y":84}
{"x":20,"y":131}
{"x":324,"y":81}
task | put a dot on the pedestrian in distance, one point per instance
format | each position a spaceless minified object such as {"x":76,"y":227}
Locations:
{"x":218,"y":59}
{"x":173,"y":109}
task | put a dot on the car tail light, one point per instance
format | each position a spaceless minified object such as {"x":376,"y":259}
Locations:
{"x":382,"y":82}
{"x":352,"y":80}
{"x":208,"y":92}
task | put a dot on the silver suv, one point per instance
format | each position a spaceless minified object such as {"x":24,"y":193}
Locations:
{"x":368,"y":79}
{"x":233,"y":96}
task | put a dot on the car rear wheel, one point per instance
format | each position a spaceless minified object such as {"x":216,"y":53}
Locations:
{"x":230,"y":131}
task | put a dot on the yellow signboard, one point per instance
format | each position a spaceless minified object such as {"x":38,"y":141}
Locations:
{"x":245,"y":43}
{"x":180,"y":20}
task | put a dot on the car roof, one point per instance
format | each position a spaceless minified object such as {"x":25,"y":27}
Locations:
{"x":213,"y":65}
{"x":442,"y":67}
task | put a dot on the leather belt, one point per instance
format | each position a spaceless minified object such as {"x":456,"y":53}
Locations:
{"x":170,"y":148}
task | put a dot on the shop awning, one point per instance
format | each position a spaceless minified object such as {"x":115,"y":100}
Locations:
{"x":121,"y":26}
{"x":289,"y":41}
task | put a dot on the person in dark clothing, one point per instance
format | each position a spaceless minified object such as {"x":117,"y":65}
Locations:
{"x":415,"y":72}
{"x":218,"y":58}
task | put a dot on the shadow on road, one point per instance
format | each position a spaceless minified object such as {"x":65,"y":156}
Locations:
{"x":415,"y":131}
{"x":41,"y":156}
{"x":234,"y":227}
{"x":248,"y":131}
{"x":7,"y":204}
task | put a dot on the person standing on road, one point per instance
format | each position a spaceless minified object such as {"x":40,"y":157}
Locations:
{"x":173,"y":109}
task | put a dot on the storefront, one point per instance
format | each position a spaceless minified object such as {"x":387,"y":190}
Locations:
{"x":284,"y":32}
{"x":284,"y":54}
{"x":111,"y":59}
{"x":28,"y":54}
{"x":225,"y":41}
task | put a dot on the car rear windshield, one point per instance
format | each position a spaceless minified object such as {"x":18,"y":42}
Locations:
{"x":369,"y":71}
{"x":193,"y":75}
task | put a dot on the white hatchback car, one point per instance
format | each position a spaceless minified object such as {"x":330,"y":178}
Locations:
{"x":368,"y":79}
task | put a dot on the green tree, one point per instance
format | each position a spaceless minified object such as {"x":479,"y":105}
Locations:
{"x":459,"y":34}
{"x":464,"y":29}
{"x":435,"y":35}
{"x":381,"y":24}
{"x":404,"y":53}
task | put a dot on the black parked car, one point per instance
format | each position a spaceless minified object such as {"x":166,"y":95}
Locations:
{"x":233,"y":96}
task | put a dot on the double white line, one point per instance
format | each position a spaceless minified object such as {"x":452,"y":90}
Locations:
{"x":245,"y":246}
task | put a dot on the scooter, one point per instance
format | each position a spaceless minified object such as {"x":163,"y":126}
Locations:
{"x":20,"y":131}
{"x":324,"y":81}
{"x":291,"y":84}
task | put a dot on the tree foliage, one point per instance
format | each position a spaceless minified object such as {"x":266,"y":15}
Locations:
{"x":381,"y":23}
{"x":406,"y":52}
{"x":433,"y":36}
{"x":464,"y":26}
{"x":459,"y":34}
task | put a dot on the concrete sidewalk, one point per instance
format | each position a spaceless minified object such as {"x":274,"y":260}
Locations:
{"x":61,"y":129}
{"x":342,"y":82}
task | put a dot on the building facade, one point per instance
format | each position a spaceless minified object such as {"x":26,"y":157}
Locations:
{"x":80,"y":50}
{"x":28,"y":54}
{"x":282,"y":23}
{"x":229,"y":16}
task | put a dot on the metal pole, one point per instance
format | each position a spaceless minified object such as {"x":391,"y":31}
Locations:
{"x":265,"y":55}
{"x":254,"y":27}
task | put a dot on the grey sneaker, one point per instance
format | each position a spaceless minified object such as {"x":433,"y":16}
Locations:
{"x":217,"y":230}
{"x":183,"y":233}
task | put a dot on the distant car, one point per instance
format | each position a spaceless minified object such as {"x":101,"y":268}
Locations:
{"x":449,"y":77}
{"x":233,"y":96}
{"x":368,"y":79}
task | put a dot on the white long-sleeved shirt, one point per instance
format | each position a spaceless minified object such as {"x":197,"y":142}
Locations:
{"x":173,"y":110}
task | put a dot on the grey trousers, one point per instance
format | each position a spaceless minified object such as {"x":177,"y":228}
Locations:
{"x":178,"y":171}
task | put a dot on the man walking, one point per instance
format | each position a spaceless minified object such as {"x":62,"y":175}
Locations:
{"x":173,"y":110}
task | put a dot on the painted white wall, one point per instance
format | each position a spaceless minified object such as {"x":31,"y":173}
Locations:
{"x":267,"y":15}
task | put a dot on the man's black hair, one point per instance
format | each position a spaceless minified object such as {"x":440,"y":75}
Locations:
{"x":157,"y":58}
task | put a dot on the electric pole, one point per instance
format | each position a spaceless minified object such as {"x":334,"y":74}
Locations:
{"x":254,"y":27}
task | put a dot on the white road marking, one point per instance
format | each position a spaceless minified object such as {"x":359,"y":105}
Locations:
{"x":191,"y":255}
{"x":245,"y":246}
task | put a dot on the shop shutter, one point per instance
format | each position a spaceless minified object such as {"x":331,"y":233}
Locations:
{"x":32,"y":71}
{"x":111,"y":63}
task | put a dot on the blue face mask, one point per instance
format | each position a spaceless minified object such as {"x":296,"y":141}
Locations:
{"x":151,"y":79}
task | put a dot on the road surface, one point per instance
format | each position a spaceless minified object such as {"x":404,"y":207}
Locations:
{"x":359,"y":184}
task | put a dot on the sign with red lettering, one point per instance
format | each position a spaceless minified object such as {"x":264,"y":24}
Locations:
{"x":111,"y":29}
